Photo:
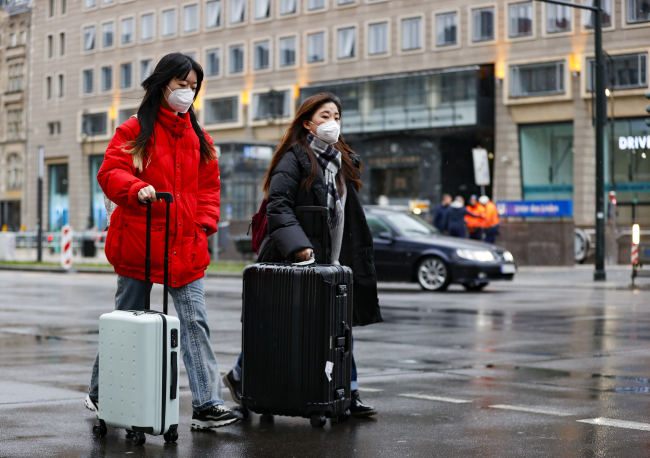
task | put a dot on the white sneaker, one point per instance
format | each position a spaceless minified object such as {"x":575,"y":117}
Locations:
{"x":92,"y":405}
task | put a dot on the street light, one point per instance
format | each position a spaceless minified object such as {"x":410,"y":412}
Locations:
{"x":599,"y":272}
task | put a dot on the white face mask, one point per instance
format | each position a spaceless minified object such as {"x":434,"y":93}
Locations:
{"x":181,"y":99}
{"x":328,"y":131}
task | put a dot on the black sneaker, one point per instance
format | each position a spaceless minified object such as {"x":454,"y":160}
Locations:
{"x":91,"y":405}
{"x":233,"y":385}
{"x":214,"y":417}
{"x":357,"y":409}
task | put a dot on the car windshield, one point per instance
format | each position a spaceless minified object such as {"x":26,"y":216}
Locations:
{"x":411,"y":225}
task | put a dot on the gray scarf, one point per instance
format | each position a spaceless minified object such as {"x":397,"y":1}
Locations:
{"x":329,"y":159}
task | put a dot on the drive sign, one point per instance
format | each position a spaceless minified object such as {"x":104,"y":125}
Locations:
{"x":481,"y":167}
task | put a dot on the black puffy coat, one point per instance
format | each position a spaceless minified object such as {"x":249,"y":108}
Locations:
{"x":287,"y":235}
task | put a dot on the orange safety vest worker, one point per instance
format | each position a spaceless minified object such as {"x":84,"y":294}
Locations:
{"x":491,"y":215}
{"x":474,"y":224}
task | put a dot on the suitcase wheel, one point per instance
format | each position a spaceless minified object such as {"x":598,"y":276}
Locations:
{"x":317,"y":420}
{"x":100,"y":430}
{"x":342,"y":418}
{"x":243,"y":411}
{"x":138,"y":439}
{"x":266,"y":418}
{"x":171,"y":436}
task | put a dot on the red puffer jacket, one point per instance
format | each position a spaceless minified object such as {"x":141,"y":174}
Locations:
{"x":175,"y":166}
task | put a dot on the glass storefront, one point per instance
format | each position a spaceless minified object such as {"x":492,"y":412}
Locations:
{"x":59,"y":204}
{"x":97,"y":195}
{"x":546,"y":161}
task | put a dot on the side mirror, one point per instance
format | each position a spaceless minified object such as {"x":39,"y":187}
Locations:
{"x":386,"y":236}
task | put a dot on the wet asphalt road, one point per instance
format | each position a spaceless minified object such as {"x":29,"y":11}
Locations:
{"x":510,"y":372}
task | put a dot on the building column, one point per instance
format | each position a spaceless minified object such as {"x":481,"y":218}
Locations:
{"x":507,"y":163}
{"x":584,"y":159}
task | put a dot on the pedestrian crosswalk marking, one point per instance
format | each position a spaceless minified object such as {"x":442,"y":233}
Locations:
{"x":435,"y":398}
{"x":617,"y":423}
{"x":531,"y":410}
{"x":370,"y":390}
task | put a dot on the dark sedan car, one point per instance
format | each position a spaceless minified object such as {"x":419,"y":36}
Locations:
{"x":409,"y":249}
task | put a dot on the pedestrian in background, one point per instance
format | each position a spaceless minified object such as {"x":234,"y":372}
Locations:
{"x":491,"y":221}
{"x":440,"y":213}
{"x":456,"y":218}
{"x":163,"y":148}
{"x":313,"y":166}
{"x":475,"y":223}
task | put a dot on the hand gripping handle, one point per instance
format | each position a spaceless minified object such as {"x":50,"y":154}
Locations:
{"x":168,"y":198}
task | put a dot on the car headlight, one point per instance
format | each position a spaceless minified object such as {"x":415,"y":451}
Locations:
{"x":507,"y":256}
{"x":476,"y":255}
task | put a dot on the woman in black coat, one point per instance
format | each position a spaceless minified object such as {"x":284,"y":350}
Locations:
{"x":315,"y":167}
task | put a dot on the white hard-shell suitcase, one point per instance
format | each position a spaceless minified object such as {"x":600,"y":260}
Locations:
{"x":139,"y":362}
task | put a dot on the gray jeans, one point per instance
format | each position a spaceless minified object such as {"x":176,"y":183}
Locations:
{"x":198,"y":356}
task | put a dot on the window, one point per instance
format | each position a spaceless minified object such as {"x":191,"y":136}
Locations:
{"x":346,"y":41}
{"x":12,"y":40}
{"x":316,"y":47}
{"x":271,"y":105}
{"x":94,"y":124}
{"x":127,"y":30}
{"x":411,"y":34}
{"x":638,"y":11}
{"x":14,"y":172}
{"x":262,"y":9}
{"x":54,"y":128}
{"x":50,"y":46}
{"x":52,"y":8}
{"x":16,"y":78}
{"x":124,"y":114}
{"x":146,"y":27}
{"x":108,"y":2}
{"x":287,"y":6}
{"x":377,"y":226}
{"x":191,"y":55}
{"x":61,"y":79}
{"x":521,"y":19}
{"x":48,"y":88}
{"x":213,"y":16}
{"x":237,"y":59}
{"x":558,"y":18}
{"x":64,"y":6}
{"x":212,"y":62}
{"x":537,"y":79}
{"x":107,"y":78}
{"x":221,"y":111}
{"x":91,"y":3}
{"x":446,"y":29}
{"x":287,"y":51}
{"x":483,"y":24}
{"x":346,"y":2}
{"x":237,"y":11}
{"x":108,"y":32}
{"x":89,"y":38}
{"x":629,"y":72}
{"x":168,"y":23}
{"x":378,"y":38}
{"x":62,"y":44}
{"x":88,"y":80}
{"x":98,"y":206}
{"x":606,"y":15}
{"x":261,"y":55}
{"x":126,"y":72}
{"x":59,"y":205}
{"x":14,"y":124}
{"x":190,"y":18}
{"x":315,"y":4}
{"x":546,"y":161}
{"x":23,"y":38}
{"x":146,"y":69}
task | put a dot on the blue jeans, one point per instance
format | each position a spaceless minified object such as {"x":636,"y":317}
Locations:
{"x":198,"y":356}
{"x":354,"y":385}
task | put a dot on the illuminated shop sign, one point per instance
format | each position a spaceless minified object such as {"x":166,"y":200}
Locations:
{"x":637,"y":142}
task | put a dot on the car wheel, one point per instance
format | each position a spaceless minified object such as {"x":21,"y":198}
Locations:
{"x":433,"y":274}
{"x":475,"y":286}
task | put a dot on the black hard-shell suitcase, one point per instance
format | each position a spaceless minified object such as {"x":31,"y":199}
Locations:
{"x":296,"y":339}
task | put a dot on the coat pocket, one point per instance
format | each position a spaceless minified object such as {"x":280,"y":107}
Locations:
{"x":113,"y":246}
{"x":134,"y":244}
{"x":200,"y":257}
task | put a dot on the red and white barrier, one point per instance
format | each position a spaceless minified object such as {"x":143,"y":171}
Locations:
{"x":635,"y":254}
{"x":66,"y":246}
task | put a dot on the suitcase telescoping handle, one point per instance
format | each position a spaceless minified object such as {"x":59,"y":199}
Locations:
{"x":168,"y":198}
{"x":324,"y":212}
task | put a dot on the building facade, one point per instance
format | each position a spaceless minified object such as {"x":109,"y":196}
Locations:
{"x":15,"y":19}
{"x":422,"y":83}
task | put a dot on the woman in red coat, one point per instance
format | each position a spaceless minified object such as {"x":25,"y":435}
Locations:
{"x":163,"y":148}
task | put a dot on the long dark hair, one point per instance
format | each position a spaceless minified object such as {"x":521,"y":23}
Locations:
{"x":297,"y":135}
{"x":174,"y":65}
